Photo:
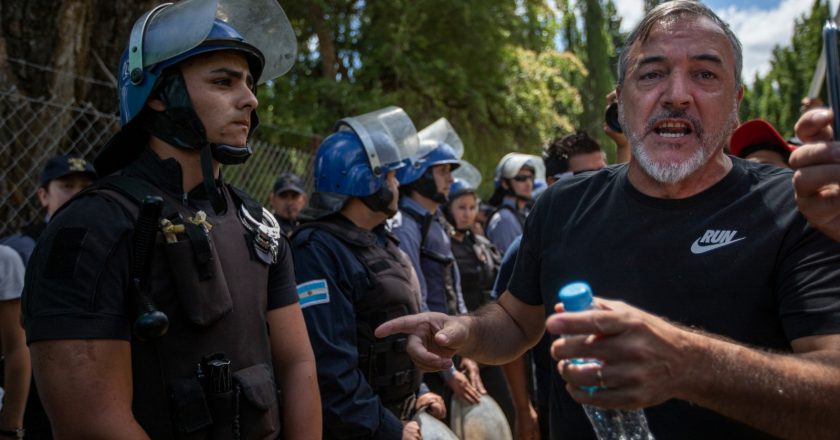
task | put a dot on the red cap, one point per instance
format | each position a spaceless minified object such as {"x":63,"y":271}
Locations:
{"x":758,"y":132}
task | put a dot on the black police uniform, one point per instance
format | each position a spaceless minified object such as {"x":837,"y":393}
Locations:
{"x":216,"y":288}
{"x":350,"y":280}
{"x":478,"y":263}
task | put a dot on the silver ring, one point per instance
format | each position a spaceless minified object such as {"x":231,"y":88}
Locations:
{"x":600,"y":376}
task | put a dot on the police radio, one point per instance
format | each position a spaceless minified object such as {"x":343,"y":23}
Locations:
{"x":151,"y":322}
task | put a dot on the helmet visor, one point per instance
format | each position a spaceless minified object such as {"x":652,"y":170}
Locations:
{"x":265,"y":26}
{"x":440,"y":132}
{"x":468,"y":174}
{"x":513,"y":162}
{"x":388,"y":136}
{"x":170,"y":30}
{"x":173,"y":29}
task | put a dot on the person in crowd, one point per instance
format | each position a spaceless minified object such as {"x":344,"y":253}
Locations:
{"x":563,"y":158}
{"x":63,"y":176}
{"x":16,"y":367}
{"x":423,"y":235}
{"x":817,"y":176}
{"x":757,"y":140}
{"x":712,"y":344}
{"x":512,"y":196}
{"x":352,"y":276}
{"x":287,"y":200}
{"x":143,"y":288}
{"x":478,"y":264}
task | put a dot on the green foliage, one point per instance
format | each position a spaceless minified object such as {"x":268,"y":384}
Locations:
{"x":489,"y":66}
{"x":776,"y":97}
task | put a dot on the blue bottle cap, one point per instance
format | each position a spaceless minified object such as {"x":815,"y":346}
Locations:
{"x":576,"y":297}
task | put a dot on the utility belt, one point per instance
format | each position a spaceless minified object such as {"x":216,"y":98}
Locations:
{"x":225,"y":404}
{"x":404,"y":410}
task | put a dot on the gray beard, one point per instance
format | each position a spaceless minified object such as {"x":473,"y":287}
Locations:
{"x":675,"y":172}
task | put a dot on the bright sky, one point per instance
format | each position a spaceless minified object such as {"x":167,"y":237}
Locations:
{"x":759,"y":24}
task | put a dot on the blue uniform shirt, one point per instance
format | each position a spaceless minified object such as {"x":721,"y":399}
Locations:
{"x":503,"y":226}
{"x":429,"y":273}
{"x":330,"y":280}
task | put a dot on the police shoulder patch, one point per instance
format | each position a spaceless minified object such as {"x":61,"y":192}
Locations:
{"x":313,"y":292}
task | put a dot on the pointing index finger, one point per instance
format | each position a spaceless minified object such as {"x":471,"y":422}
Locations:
{"x":403,"y":324}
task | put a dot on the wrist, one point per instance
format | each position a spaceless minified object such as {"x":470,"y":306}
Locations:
{"x":698,"y":365}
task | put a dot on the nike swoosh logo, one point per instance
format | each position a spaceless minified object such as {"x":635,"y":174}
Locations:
{"x":697,"y":248}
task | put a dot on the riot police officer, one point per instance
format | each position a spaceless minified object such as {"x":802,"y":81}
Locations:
{"x":144,"y":287}
{"x":424,"y":236}
{"x":352,"y":276}
{"x":513,"y":184}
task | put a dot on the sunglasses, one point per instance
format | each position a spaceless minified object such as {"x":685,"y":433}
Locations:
{"x":522,"y":178}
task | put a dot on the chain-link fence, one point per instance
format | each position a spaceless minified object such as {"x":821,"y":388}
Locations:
{"x":33,"y":130}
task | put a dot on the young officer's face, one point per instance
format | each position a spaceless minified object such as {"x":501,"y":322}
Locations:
{"x":220,"y":86}
{"x":464,"y":210}
{"x":443,"y":177}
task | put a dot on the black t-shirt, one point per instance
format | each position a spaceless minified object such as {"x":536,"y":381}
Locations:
{"x":737,"y":260}
{"x":77,"y":281}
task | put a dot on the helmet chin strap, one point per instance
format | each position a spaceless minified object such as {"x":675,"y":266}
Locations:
{"x":180,"y":126}
{"x":380,"y":201}
{"x":427,"y":187}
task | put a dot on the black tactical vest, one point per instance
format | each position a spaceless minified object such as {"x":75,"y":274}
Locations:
{"x":478,"y":263}
{"x":433,"y":263}
{"x":390,"y":294}
{"x":213,"y":288}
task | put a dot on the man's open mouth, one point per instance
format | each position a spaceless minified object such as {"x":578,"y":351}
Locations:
{"x":673,"y":129}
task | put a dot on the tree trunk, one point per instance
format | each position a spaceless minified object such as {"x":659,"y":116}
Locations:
{"x":57,"y":56}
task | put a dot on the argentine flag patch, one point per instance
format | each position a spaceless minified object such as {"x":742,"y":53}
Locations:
{"x":313,"y":292}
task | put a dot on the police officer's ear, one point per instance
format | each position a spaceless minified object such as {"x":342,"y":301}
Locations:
{"x":505,"y":184}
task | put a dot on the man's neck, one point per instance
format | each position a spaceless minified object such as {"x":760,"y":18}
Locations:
{"x":427,"y":203}
{"x":712,"y":172}
{"x":357,"y":212}
{"x":190,"y":162}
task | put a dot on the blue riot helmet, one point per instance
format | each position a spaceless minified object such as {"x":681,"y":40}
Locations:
{"x":171,"y":33}
{"x":356,"y":159}
{"x":467,"y":178}
{"x":439,"y":145}
{"x":508,"y":168}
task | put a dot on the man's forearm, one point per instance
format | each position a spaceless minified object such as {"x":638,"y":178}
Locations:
{"x":501,"y":332}
{"x":300,"y":400}
{"x":788,"y":395}
{"x":18,"y":376}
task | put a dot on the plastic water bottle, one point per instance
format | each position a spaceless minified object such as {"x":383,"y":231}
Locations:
{"x":609,"y":424}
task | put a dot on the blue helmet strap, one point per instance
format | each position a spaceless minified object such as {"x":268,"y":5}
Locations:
{"x":380,"y":201}
{"x":427,"y":187}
